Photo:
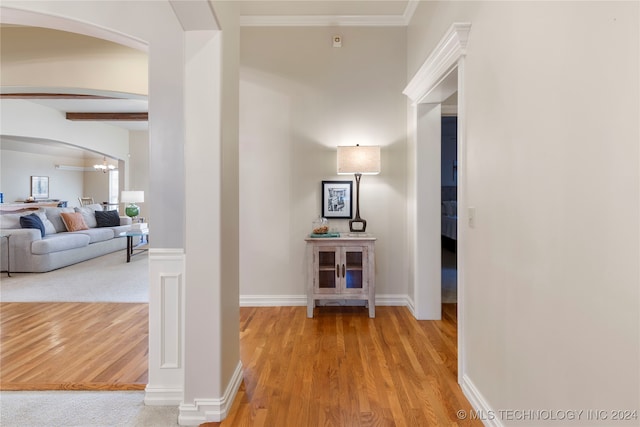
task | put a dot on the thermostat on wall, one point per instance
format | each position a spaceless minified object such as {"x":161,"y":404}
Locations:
{"x":337,"y":41}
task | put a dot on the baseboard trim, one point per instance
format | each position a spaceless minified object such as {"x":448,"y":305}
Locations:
{"x":211,"y":410}
{"x":162,"y":396}
{"x":301,"y":300}
{"x":272,"y":300}
{"x":482,"y":409}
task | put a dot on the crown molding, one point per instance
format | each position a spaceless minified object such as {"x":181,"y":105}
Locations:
{"x":440,"y":62}
{"x":323,"y":21}
{"x":332,"y":20}
{"x":410,"y":10}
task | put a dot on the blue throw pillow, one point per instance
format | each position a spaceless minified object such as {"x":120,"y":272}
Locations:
{"x":107,"y":218}
{"x":32,"y":221}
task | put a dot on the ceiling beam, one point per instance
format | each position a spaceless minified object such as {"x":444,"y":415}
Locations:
{"x":128,"y":117}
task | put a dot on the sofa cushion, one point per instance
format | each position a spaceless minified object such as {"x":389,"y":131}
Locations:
{"x":97,"y":234}
{"x":73,"y":221}
{"x":48,"y":225}
{"x":12,"y":221}
{"x":88,"y":214}
{"x":59,"y":242}
{"x":53,"y":214}
{"x":32,"y":221}
{"x":107,"y":218}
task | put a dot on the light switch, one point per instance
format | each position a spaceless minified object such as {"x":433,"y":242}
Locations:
{"x":337,"y":41}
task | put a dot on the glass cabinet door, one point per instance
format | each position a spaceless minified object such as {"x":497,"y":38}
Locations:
{"x":353,"y":277}
{"x":354,"y":272}
{"x":328,"y":269}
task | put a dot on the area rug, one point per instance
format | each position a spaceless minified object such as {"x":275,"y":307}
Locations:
{"x":108,"y":278}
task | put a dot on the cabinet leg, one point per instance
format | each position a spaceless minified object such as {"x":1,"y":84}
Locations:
{"x":372,"y":310}
{"x":310,"y":305}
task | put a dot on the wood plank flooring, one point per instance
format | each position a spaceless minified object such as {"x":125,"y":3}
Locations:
{"x":343,"y":369}
{"x":73,"y":346}
{"x":340,"y":368}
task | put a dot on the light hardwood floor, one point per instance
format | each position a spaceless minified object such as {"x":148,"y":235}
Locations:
{"x":73,"y":346}
{"x":340,"y":368}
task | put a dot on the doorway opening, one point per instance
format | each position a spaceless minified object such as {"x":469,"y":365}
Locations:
{"x":449,"y":202}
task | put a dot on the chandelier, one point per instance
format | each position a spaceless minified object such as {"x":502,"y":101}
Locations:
{"x":104,"y":167}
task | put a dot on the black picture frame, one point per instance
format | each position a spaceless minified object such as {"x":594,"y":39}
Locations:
{"x":337,"y":200}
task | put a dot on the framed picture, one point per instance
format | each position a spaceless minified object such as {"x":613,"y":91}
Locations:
{"x":336,"y":199}
{"x":40,"y":187}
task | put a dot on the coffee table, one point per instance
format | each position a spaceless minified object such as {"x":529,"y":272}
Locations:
{"x":134,"y":250}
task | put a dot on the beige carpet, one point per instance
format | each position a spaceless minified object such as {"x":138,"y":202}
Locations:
{"x":108,"y":278}
{"x":83,"y":409}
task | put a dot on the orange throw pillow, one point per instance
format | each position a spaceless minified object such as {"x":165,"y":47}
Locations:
{"x":73,"y":221}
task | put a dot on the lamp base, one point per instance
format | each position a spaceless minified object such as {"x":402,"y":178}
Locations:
{"x":357,"y":225}
{"x":132,"y":211}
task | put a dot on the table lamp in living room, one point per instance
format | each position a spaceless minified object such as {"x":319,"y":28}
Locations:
{"x":132,"y":197}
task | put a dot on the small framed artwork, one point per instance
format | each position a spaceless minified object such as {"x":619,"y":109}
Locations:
{"x":336,"y":199}
{"x":40,"y":187}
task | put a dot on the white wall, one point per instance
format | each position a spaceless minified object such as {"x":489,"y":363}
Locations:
{"x":17,"y":120}
{"x":138,"y":167}
{"x":299,"y":99}
{"x":551,"y":270}
{"x":17,"y":168}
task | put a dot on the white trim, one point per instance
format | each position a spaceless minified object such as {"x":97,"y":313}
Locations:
{"x":410,"y":10}
{"x":211,"y":410}
{"x":462,"y":217}
{"x":157,"y":396}
{"x":167,"y":254}
{"x":166,"y":327}
{"x":483,"y":411}
{"x":323,"y":21}
{"x":449,"y":110}
{"x":332,"y":20}
{"x":401,"y":300}
{"x":12,"y":15}
{"x":440,"y":63}
{"x":446,"y":58}
{"x":393,"y":300}
{"x":273,"y":300}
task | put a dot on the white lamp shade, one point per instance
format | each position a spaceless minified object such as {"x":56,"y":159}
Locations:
{"x":132,"y":196}
{"x":359,"y":159}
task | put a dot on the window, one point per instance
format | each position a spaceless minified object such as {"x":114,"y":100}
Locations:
{"x":113,"y":188}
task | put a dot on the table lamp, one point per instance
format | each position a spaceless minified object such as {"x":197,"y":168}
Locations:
{"x":359,"y":161}
{"x":132,"y":197}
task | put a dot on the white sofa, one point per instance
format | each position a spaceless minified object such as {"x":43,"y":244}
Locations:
{"x":32,"y":253}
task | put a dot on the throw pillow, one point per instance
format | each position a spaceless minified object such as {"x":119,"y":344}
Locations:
{"x":73,"y":221}
{"x":107,"y":218}
{"x":48,"y":225}
{"x":53,"y":215}
{"x":88,"y":215}
{"x":32,"y":221}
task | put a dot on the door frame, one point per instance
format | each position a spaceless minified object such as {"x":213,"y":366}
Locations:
{"x":440,"y":76}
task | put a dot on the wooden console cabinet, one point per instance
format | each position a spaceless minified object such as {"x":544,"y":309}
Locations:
{"x":341,"y":268}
